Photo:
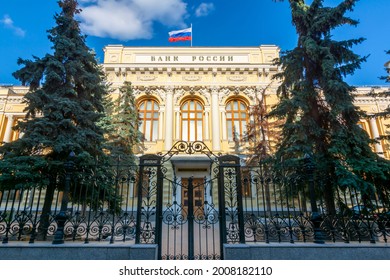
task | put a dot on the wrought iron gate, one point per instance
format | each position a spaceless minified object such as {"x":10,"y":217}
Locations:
{"x":189,"y":218}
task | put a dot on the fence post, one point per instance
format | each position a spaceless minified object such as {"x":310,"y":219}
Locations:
{"x":190,"y":218}
{"x":315,"y":218}
{"x":61,"y":217}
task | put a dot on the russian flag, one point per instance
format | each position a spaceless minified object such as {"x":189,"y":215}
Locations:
{"x":180,"y":35}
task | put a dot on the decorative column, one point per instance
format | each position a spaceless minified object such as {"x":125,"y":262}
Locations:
{"x":161,"y":122}
{"x":169,"y":118}
{"x":206,"y":120}
{"x":375,"y":134}
{"x":8,"y":129}
{"x":177,"y":117}
{"x":224,"y":132}
{"x":215,"y":119}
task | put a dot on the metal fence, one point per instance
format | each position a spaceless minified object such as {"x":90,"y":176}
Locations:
{"x":249,"y":206}
{"x":88,"y":211}
{"x":279,"y":212}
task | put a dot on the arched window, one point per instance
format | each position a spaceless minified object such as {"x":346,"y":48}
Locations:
{"x":192,"y":120}
{"x":236,"y":119}
{"x":148,"y":114}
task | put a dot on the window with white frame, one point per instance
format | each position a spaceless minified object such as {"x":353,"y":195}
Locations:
{"x":192,"y":120}
{"x":149,"y":114}
{"x":236,"y":119}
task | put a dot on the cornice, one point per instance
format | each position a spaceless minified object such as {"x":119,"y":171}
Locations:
{"x":11,"y":99}
{"x":122,"y":68}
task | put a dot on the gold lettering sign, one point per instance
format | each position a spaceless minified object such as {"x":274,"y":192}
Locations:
{"x":201,"y":59}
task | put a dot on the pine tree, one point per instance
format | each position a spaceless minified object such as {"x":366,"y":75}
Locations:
{"x":63,"y":106}
{"x":317,"y":107}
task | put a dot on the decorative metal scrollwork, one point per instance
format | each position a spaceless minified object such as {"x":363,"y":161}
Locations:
{"x":206,"y":215}
{"x":174,"y":215}
{"x":190,"y":148}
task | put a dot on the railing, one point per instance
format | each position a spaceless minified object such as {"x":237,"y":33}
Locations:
{"x":91,"y":212}
{"x":272,"y":211}
{"x":275,"y":211}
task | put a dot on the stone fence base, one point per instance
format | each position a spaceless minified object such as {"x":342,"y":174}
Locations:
{"x":307,"y":252}
{"x":77,"y":252}
{"x":311,"y":251}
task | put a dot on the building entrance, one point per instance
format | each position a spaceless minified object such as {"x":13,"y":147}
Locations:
{"x":198,"y":193}
{"x":189,"y":217}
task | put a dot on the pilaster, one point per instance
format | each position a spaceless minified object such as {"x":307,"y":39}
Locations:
{"x":169,"y":118}
{"x":216,"y":122}
{"x":8,"y":129}
{"x":375,"y":134}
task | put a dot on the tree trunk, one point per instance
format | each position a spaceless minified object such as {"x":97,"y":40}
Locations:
{"x":329,"y":199}
{"x":44,"y":222}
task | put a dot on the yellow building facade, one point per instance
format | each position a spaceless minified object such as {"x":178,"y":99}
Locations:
{"x":195,"y":94}
{"x":188,"y":202}
{"x":192,"y":93}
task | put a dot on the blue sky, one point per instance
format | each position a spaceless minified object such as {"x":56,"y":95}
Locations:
{"x":23,"y":26}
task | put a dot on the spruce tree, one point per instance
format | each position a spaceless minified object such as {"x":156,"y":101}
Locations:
{"x":387,"y":69}
{"x":317,"y":108}
{"x":386,"y":112}
{"x":120,"y":125}
{"x":63,"y":106}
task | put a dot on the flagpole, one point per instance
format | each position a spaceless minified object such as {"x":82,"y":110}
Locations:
{"x":191,"y":34}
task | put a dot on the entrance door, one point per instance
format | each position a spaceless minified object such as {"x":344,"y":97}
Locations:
{"x":198,"y":191}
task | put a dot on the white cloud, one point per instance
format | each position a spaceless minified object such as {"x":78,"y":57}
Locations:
{"x":9,"y":23}
{"x":129,"y":19}
{"x":204,"y":9}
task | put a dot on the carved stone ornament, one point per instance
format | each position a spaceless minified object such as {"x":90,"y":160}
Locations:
{"x":169,"y":89}
{"x":124,"y":72}
{"x":192,"y":90}
{"x":179,"y":93}
{"x":236,"y":90}
{"x":136,"y":91}
{"x":251,"y":93}
{"x":384,"y":107}
{"x":146,"y":78}
{"x":374,"y":109}
{"x":160,"y":93}
{"x":237,"y":78}
{"x":205,"y":92}
{"x":157,"y":91}
{"x":224,"y":92}
{"x":113,"y":58}
{"x":148,"y":90}
{"x":215,"y":90}
{"x":12,"y":100}
{"x":192,"y":78}
{"x":264,"y":72}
